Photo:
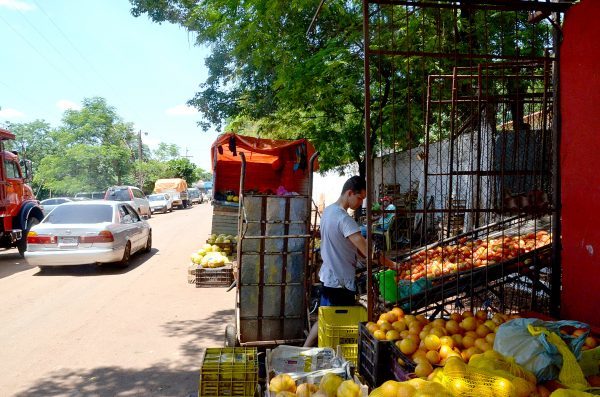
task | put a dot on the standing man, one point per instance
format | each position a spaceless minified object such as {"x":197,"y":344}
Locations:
{"x":341,"y":243}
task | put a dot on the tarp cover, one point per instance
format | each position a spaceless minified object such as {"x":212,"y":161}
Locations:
{"x":165,"y":185}
{"x":269,"y":163}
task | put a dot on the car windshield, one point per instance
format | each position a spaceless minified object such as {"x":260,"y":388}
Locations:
{"x":69,"y":214}
{"x":156,"y":197}
{"x":118,"y":195}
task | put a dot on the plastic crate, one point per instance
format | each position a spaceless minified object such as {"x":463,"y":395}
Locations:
{"x":402,"y":367}
{"x":213,"y":277}
{"x":338,"y":326}
{"x":373,"y":358}
{"x":229,"y":371}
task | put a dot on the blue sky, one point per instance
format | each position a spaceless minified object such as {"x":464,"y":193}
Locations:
{"x":55,"y":53}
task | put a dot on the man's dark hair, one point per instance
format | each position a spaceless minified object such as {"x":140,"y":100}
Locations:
{"x":356,"y":184}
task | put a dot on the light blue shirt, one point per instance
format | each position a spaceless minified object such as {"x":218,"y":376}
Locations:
{"x":385,"y":219}
{"x":337,"y":251}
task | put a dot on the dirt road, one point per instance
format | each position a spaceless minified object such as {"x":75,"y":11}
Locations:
{"x":94,"y":331}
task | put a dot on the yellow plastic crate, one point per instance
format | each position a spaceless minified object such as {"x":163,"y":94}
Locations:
{"x":338,"y":325}
{"x":229,"y":371}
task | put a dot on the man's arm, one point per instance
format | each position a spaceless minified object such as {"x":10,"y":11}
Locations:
{"x":361,"y":245}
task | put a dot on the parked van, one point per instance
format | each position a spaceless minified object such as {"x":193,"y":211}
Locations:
{"x":195,"y":196}
{"x":132,"y":195}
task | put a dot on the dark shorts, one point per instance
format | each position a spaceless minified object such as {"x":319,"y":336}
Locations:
{"x":337,"y":297}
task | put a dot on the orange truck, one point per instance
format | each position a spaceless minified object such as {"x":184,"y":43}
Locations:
{"x":19,"y":210}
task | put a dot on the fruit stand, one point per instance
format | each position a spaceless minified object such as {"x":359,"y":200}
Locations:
{"x":473,"y":306}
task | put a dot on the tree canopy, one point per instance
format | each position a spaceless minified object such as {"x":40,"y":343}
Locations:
{"x":268,"y":77}
{"x":92,"y":149}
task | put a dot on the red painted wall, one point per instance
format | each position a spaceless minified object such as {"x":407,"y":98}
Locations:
{"x":580,"y":162}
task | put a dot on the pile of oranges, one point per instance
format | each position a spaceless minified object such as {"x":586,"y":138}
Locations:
{"x":428,"y":343}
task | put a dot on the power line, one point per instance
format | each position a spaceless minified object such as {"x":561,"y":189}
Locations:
{"x":74,"y":47}
{"x":49,"y":42}
{"x":38,"y":51}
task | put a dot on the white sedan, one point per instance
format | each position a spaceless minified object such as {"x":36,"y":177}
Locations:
{"x":84,"y":232}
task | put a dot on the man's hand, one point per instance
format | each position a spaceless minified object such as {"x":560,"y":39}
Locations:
{"x":383,"y":261}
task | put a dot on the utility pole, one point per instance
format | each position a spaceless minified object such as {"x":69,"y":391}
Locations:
{"x":140,"y":154}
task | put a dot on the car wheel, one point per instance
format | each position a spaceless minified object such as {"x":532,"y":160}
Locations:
{"x":148,"y":246}
{"x":124,"y":262}
{"x":149,"y":214}
{"x":22,"y":244}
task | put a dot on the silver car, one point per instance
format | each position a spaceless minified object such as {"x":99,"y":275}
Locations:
{"x":51,"y":203}
{"x":94,"y":231}
{"x":160,"y":202}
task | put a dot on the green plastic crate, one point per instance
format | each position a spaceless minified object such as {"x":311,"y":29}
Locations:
{"x":229,"y":371}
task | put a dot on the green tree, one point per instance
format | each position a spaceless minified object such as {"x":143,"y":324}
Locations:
{"x":180,"y":168}
{"x":166,"y":152}
{"x":93,"y":150}
{"x":202,"y":175}
{"x":266,"y":76}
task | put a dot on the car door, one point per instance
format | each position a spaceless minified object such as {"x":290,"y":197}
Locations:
{"x":136,"y":228}
{"x":141,"y":202}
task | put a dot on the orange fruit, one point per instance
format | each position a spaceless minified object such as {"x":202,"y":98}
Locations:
{"x":591,"y":342}
{"x":447,"y":340}
{"x":481,"y":315}
{"x":458,"y":340}
{"x":491,"y":325}
{"x":468,"y":341}
{"x":398,"y":311}
{"x":433,"y":357}
{"x":399,"y":325}
{"x":439,"y":322}
{"x":445,"y":351}
{"x":385,"y":326}
{"x":439,"y":332}
{"x":432,"y":342}
{"x":452,"y":327}
{"x":408,"y":346}
{"x":372,"y":327}
{"x":469,"y":324}
{"x":456,"y":317}
{"x":467,"y":313}
{"x":379,"y":334}
{"x":422,"y":370}
{"x":490,"y":338}
{"x":482,"y":331}
{"x":392,"y":335}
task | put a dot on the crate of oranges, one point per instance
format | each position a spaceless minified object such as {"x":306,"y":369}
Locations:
{"x":418,"y":344}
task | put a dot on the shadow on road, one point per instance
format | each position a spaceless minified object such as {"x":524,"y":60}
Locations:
{"x":11,"y":263}
{"x":158,"y":380}
{"x":106,"y":269}
{"x":204,"y":333}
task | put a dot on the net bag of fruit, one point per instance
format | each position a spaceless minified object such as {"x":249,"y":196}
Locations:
{"x":541,"y":348}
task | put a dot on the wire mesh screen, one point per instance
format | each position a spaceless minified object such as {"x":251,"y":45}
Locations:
{"x":460,"y":127}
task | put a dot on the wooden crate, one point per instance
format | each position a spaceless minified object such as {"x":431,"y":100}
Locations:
{"x":224,"y":220}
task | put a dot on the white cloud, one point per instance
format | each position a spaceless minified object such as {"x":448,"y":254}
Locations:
{"x":9,"y":113}
{"x":16,"y":5}
{"x":64,"y":104}
{"x":181,"y":110}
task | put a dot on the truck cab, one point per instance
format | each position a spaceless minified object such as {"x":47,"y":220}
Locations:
{"x":19,"y":209}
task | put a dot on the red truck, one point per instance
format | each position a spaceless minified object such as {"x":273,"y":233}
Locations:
{"x":19,"y":210}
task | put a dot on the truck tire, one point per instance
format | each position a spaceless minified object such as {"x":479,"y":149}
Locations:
{"x":22,"y":244}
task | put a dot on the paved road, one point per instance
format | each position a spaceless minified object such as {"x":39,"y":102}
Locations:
{"x":101,"y":331}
